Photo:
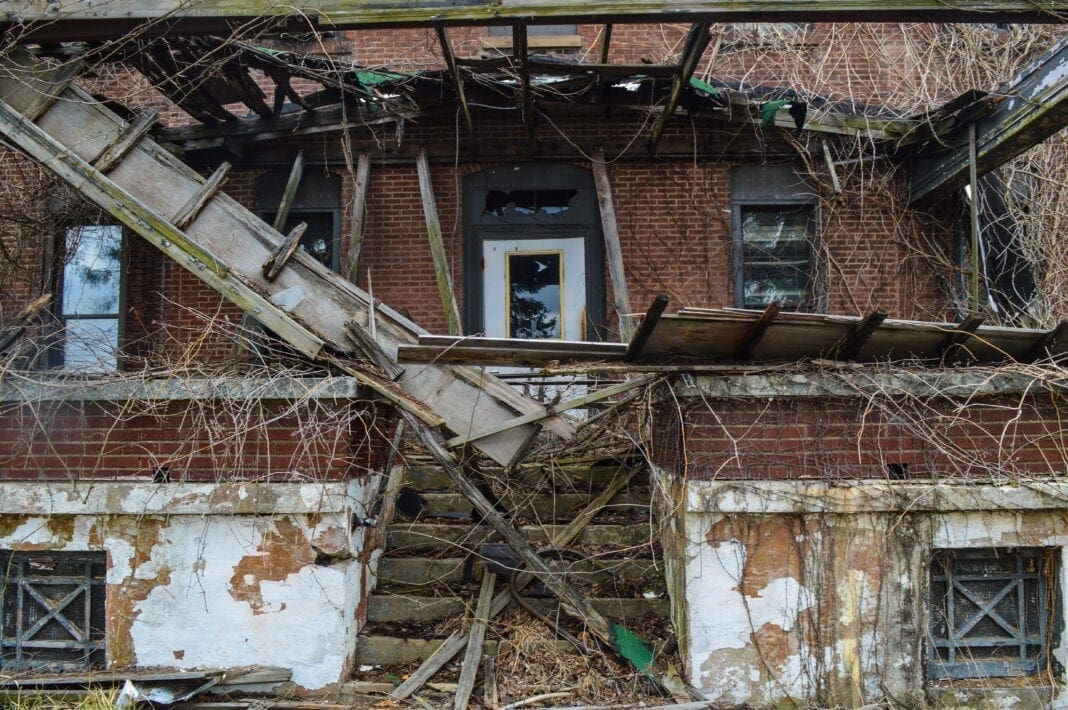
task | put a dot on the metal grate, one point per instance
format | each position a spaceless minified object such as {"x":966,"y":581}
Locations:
{"x":990,"y":612}
{"x":52,"y":609}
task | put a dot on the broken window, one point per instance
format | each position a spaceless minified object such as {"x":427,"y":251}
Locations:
{"x":991,"y":612}
{"x":90,"y":298}
{"x":528,"y":202}
{"x":52,"y":610}
{"x":774,"y":214}
{"x":318,"y":240}
{"x":534,"y":297}
{"x":317,"y":203}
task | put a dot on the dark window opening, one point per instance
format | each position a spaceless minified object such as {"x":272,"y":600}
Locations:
{"x":52,"y":610}
{"x":897,"y":471}
{"x":992,"y":612}
{"x":528,"y":202}
{"x":776,"y":257}
{"x":535,"y":304}
{"x":319,"y":240}
{"x":89,"y":305}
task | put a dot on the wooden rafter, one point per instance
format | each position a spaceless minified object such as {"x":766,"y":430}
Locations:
{"x":454,"y":72}
{"x":522,"y":64}
{"x":696,"y":41}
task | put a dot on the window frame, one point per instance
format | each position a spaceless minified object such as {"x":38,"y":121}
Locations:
{"x":773,"y":187}
{"x":57,"y":351}
{"x":1048,"y":583}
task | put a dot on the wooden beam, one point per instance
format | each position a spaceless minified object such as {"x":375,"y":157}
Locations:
{"x":359,"y":213}
{"x":833,"y":171}
{"x":1047,"y":343}
{"x":437,"y":247}
{"x":645,"y":329}
{"x":612,"y":248}
{"x":92,"y":19}
{"x":290,"y":192}
{"x":134,"y":132}
{"x":475,"y":636}
{"x":454,"y":72}
{"x":278,"y":259}
{"x":521,"y":61}
{"x":192,"y":207}
{"x":696,"y":41}
{"x":59,"y":82}
{"x":748,"y":342}
{"x":606,"y":41}
{"x":849,"y":346}
{"x":946,"y":350}
{"x":1035,"y":107}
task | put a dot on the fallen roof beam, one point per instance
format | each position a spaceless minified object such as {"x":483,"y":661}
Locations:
{"x":454,"y":72}
{"x":521,"y":60}
{"x":696,"y":41}
{"x":1035,"y":106}
{"x":87,"y":19}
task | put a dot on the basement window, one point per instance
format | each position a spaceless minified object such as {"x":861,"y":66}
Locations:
{"x":992,"y":612}
{"x":90,"y":298}
{"x":52,"y":610}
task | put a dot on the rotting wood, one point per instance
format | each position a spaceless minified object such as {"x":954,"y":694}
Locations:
{"x":574,"y":403}
{"x":606,"y":42}
{"x":753,"y":334}
{"x":23,"y":320}
{"x":387,"y":505}
{"x":452,"y":645}
{"x":645,"y":329}
{"x":133,"y":133}
{"x":521,"y":62}
{"x":59,"y":83}
{"x":446,"y":290}
{"x":475,"y":635}
{"x":390,"y":391}
{"x":364,"y":339}
{"x":290,"y":192}
{"x":697,"y":40}
{"x":281,"y":256}
{"x":947,"y":349}
{"x":359,"y":213}
{"x":490,"y":698}
{"x":833,"y":171}
{"x":613,"y":250}
{"x":189,"y":211}
{"x":849,"y":346}
{"x":1046,"y":343}
{"x":454,"y":72}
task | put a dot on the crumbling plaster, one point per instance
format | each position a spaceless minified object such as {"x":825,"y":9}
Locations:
{"x":816,"y":592}
{"x":206,"y":575}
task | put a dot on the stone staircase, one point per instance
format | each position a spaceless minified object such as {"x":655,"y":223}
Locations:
{"x":431,"y":569}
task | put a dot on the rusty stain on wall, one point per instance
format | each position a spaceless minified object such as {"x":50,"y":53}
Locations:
{"x":284,"y":550}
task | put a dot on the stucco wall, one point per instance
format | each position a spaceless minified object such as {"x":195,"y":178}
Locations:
{"x":211,"y":575}
{"x":816,"y":592}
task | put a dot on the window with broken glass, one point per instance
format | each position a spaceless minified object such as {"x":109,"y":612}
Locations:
{"x":991,"y":612}
{"x":52,"y":610}
{"x":774,"y":232}
{"x":90,"y":299}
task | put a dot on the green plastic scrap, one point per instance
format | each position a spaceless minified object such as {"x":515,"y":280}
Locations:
{"x":704,"y":87}
{"x":632,"y":647}
{"x":770,"y":109}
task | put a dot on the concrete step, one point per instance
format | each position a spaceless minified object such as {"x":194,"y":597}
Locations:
{"x":386,"y":608}
{"x":407,"y":572}
{"x":580,"y":478}
{"x":411,"y":537}
{"x":391,"y":650}
{"x":539,"y":507}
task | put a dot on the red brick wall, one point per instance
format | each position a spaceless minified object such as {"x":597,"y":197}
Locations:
{"x":196,"y":441}
{"x":790,"y":438}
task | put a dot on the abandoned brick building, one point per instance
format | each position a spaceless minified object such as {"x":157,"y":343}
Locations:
{"x":318,"y":328}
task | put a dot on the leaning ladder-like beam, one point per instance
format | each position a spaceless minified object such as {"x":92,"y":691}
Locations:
{"x":457,"y":77}
{"x":1035,"y":107}
{"x":226,"y":245}
{"x":696,"y":41}
{"x":289,"y":194}
{"x":359,"y":213}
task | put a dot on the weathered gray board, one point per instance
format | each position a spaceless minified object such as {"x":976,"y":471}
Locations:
{"x":227,"y":245}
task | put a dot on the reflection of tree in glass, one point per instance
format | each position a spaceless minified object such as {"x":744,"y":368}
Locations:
{"x":91,"y":275}
{"x":534,"y":295}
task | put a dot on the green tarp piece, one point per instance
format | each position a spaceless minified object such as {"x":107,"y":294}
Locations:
{"x":632,"y":647}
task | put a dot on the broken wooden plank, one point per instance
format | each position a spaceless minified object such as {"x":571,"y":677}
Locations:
{"x":475,"y":635}
{"x":195,"y":204}
{"x":849,"y":346}
{"x":565,"y":537}
{"x":23,"y":319}
{"x":645,"y":329}
{"x":366,"y":341}
{"x":696,"y":41}
{"x":437,"y":246}
{"x":613,"y":250}
{"x":290,"y":193}
{"x":947,"y":349}
{"x":57,"y":84}
{"x":130,"y":136}
{"x":831,"y":169}
{"x":753,"y":334}
{"x":359,"y":213}
{"x":489,"y":682}
{"x":277,"y":261}
{"x":454,"y":73}
{"x":570,"y":404}
{"x":1046,"y":343}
